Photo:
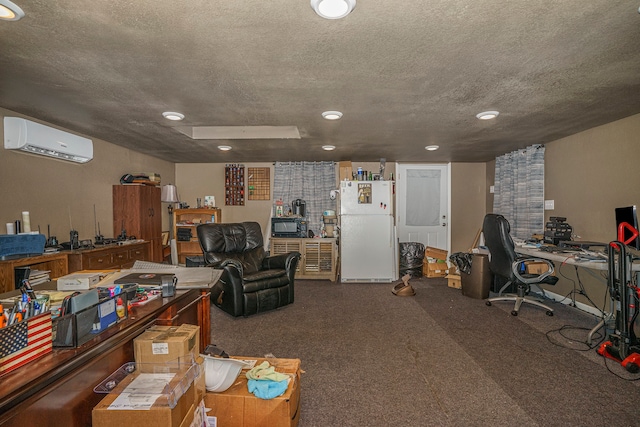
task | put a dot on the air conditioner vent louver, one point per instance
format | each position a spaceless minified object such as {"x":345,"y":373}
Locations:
{"x":35,"y":138}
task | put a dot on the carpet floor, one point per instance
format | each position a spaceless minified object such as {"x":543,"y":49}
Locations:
{"x":438,"y":358}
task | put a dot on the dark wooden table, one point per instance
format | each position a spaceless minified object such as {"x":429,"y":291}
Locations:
{"x":57,"y":389}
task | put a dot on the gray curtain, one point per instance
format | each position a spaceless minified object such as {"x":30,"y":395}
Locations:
{"x":310,"y":181}
{"x":519,"y":190}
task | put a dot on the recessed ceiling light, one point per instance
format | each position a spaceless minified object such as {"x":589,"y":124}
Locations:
{"x":431,"y":147}
{"x":332,"y":115}
{"x":328,"y":147}
{"x":487,"y":115}
{"x":224,"y":147}
{"x":10,"y":11}
{"x":172,"y":115}
{"x":333,"y":9}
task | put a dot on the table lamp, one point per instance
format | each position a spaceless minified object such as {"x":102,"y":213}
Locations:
{"x":170,"y":195}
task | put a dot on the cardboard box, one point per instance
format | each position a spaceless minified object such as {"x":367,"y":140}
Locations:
{"x":236,"y":407}
{"x":77,"y":281}
{"x":160,"y":344}
{"x":536,"y":267}
{"x":435,"y":253}
{"x":453,"y":281}
{"x":159,"y":414}
{"x":432,"y":269}
{"x":346,"y":171}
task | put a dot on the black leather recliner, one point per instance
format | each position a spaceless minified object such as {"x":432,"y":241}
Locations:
{"x":251,"y":281}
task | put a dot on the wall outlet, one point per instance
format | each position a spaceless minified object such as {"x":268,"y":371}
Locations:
{"x":549,"y":205}
{"x":492,"y":189}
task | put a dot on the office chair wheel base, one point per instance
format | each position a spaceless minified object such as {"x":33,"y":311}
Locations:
{"x":514,"y":313}
{"x":549,"y":313}
{"x":488,"y":303}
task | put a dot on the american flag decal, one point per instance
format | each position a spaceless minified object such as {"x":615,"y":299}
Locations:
{"x":25,"y":341}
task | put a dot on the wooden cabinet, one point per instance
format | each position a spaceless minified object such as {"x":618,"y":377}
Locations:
{"x":109,"y":257}
{"x":189,"y":219}
{"x":56,"y":264}
{"x":137,"y":209}
{"x":318,"y":257}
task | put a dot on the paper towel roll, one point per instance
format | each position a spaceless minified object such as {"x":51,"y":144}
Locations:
{"x":26,"y":222}
{"x":11,"y":228}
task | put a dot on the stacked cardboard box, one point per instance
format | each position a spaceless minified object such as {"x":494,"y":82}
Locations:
{"x":160,"y":349}
{"x":435,"y":262}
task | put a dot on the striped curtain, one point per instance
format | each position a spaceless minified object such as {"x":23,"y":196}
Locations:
{"x":519,"y":190}
{"x":309,"y":181}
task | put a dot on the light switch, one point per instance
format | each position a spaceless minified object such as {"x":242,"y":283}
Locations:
{"x":492,"y":189}
{"x":549,"y":205}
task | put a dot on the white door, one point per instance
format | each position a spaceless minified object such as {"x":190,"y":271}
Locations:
{"x":422,"y":200}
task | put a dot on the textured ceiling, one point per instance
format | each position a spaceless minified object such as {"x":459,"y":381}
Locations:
{"x":406,"y":74}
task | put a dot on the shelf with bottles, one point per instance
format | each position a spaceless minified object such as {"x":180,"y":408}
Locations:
{"x":234,"y":184}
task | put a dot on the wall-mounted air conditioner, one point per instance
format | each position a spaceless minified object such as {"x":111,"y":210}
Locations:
{"x":34,"y":138}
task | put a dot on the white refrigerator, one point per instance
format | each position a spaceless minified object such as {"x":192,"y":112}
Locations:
{"x":368,"y":247}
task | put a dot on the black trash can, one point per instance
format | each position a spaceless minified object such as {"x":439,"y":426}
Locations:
{"x":411,"y":258}
{"x":477,"y":283}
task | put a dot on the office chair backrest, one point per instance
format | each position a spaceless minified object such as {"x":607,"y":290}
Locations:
{"x":497,"y":238}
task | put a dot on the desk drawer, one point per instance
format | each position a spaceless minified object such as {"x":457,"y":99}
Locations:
{"x":120,"y":257}
{"x":139,"y":254}
{"x":98,"y":262}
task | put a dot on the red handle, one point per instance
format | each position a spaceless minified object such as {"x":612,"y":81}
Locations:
{"x":627,"y":226}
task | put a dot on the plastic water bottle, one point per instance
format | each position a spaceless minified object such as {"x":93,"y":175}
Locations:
{"x":360,"y":174}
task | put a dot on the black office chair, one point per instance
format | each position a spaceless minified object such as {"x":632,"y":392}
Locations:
{"x":505,"y":263}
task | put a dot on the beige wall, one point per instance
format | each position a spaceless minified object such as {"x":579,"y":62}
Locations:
{"x":588,"y":175}
{"x":195,"y":180}
{"x":52,"y":190}
{"x":468,"y":203}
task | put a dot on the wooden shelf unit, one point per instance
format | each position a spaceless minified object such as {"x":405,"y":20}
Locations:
{"x":191,"y":218}
{"x":57,"y":264}
{"x":318,"y":256}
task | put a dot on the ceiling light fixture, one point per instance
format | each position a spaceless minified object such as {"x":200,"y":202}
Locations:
{"x":431,"y":147}
{"x":224,"y":147}
{"x":328,"y":147}
{"x":487,"y":115}
{"x":171,"y":115}
{"x":10,"y":11}
{"x":332,"y":115}
{"x":333,"y":9}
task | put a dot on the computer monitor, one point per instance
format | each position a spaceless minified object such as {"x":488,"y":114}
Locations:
{"x":628,"y":214}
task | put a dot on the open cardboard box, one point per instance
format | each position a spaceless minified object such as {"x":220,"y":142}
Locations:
{"x":236,"y":407}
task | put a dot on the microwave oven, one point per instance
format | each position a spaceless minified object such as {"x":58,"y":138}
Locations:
{"x":289,"y":227}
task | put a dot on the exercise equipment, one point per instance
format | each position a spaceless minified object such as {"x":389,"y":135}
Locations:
{"x":623,"y":346}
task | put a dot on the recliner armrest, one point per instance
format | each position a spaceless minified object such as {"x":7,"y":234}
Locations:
{"x":281,"y":261}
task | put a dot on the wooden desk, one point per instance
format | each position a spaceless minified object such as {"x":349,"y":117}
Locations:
{"x":57,"y":389}
{"x":113,"y":256}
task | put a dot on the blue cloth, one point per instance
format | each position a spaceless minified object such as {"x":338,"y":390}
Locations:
{"x":267,"y":389}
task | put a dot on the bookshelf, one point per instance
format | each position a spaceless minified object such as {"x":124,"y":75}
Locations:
{"x":187,"y":220}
